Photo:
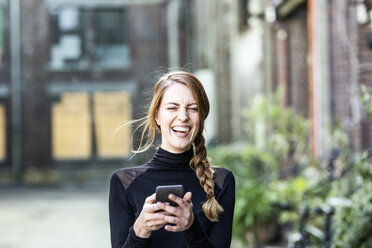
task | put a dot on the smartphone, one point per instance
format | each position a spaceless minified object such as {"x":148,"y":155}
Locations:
{"x":163,"y":192}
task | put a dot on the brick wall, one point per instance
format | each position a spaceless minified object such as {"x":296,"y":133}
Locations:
{"x":296,"y":43}
{"x":350,"y":65}
{"x":298,"y":51}
{"x":348,"y":70}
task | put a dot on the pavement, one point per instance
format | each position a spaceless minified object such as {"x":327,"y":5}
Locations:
{"x":66,"y":216}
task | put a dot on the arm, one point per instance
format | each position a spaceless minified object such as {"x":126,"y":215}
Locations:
{"x":221,"y":231}
{"x":126,"y":231}
{"x":195,"y":236}
{"x":122,"y":218}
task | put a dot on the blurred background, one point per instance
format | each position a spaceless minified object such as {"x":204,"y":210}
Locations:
{"x":289,"y":83}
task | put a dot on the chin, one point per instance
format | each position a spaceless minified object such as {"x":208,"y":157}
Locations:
{"x":183,"y":148}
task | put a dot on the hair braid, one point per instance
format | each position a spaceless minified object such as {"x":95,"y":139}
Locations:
{"x":200,"y":164}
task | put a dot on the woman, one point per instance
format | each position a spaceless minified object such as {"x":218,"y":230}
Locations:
{"x":203,"y":216}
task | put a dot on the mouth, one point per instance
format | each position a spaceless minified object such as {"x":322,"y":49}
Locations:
{"x":181,"y":130}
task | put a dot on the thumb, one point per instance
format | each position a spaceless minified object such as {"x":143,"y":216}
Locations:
{"x":187,"y":197}
{"x":150,"y":199}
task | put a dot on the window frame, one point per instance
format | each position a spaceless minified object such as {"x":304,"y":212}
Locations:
{"x":87,"y":30}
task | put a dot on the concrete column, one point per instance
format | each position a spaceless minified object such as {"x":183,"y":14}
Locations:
{"x":320,"y":100}
{"x":173,"y":9}
{"x":16,"y":90}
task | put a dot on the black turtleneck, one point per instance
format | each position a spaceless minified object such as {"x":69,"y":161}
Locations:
{"x":129,"y":188}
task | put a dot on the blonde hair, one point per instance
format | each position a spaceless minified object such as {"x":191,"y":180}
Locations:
{"x":199,"y":163}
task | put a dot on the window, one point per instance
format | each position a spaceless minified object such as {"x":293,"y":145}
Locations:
{"x":111,"y":110}
{"x":2,"y":133}
{"x":243,"y":14}
{"x":72,"y":119}
{"x":83,"y":38}
{"x":111,"y":43}
{"x":71,"y":127}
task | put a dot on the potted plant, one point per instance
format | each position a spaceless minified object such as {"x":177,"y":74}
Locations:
{"x":254,"y":217}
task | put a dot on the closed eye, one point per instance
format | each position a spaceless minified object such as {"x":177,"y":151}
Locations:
{"x":172,"y":108}
{"x":193,"y":109}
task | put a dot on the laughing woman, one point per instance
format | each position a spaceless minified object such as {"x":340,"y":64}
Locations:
{"x":203,"y":216}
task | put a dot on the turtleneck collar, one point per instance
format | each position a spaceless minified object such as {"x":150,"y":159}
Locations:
{"x":163,"y":158}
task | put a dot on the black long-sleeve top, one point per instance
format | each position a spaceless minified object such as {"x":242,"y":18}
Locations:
{"x":129,"y":188}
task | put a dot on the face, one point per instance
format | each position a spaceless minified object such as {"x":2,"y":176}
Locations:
{"x":178,"y":118}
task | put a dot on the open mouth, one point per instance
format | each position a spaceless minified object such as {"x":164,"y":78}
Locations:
{"x":181,"y":130}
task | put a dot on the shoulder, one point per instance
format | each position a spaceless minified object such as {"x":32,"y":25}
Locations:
{"x":127,"y":175}
{"x":222,"y":176}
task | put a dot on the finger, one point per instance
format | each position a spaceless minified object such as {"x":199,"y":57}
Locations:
{"x":151,"y":219}
{"x":160,"y":206}
{"x":187,"y":197}
{"x":150,"y":199}
{"x":155,"y":227}
{"x":172,"y":219}
{"x":152,"y":208}
{"x":178,"y":200}
{"x":173,"y":210}
{"x":166,"y":207}
{"x":173,"y":228}
{"x":156,"y":222}
{"x":163,"y":213}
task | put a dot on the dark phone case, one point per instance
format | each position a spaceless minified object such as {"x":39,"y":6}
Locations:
{"x":162,"y":193}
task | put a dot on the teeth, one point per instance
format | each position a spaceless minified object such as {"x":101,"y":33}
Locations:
{"x":181,"y":129}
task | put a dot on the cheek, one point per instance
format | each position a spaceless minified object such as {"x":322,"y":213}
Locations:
{"x":196,"y":119}
{"x":196,"y":122}
{"x":165,"y":120}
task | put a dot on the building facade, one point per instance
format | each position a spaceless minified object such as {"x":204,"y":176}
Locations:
{"x":71,"y":72}
{"x":318,"y":51}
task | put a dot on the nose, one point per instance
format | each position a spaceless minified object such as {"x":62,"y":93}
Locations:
{"x":183,"y":115}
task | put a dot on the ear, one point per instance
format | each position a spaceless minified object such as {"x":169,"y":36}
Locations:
{"x":157,"y":119}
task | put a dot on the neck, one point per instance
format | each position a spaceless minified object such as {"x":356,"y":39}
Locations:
{"x":164,"y":158}
{"x":172,"y":151}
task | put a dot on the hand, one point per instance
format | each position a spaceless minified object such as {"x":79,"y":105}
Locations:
{"x":149,"y":220}
{"x":182,"y":215}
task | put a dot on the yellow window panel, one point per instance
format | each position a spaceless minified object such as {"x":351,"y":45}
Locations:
{"x":112,"y":109}
{"x":2,"y":132}
{"x":71,"y":127}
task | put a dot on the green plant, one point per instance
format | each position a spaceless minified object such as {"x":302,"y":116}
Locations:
{"x":273,"y":127}
{"x":277,"y":138}
{"x":366,"y":100}
{"x":352,"y":223}
{"x":252,"y":169}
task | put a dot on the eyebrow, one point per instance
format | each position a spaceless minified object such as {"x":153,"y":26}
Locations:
{"x":177,"y":104}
